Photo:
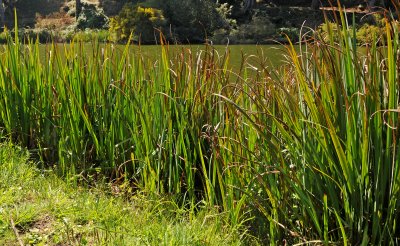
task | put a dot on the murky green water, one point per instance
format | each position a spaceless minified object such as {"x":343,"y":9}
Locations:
{"x":253,"y":55}
{"x":247,"y":55}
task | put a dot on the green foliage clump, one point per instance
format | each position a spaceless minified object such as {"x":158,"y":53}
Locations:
{"x":369,"y":33}
{"x":43,"y":35}
{"x":139,"y":21}
{"x":372,"y":29}
{"x":255,"y":31}
{"x":329,"y":30}
{"x":90,"y":35}
{"x":292,"y":33}
{"x":91,"y":17}
{"x":3,"y":37}
{"x":192,"y":20}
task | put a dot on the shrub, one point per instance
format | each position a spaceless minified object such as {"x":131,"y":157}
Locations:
{"x":53,"y":21}
{"x":368,"y":33}
{"x":329,"y":30}
{"x":138,"y":21}
{"x":92,"y":17}
{"x":89,"y":35}
{"x":42,"y":34}
{"x":291,"y":32}
{"x":193,"y":20}
{"x":254,"y":32}
{"x":3,"y":37}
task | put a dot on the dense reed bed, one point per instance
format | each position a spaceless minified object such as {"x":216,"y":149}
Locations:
{"x":309,"y":152}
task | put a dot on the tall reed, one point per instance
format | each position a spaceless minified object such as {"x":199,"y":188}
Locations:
{"x":327,"y":143}
{"x":309,"y":149}
{"x":152,"y":122}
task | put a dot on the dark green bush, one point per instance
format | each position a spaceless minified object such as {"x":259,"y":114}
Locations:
{"x":89,"y":35}
{"x":92,"y":17}
{"x":44,"y":35}
{"x":192,"y":20}
{"x":289,"y":32}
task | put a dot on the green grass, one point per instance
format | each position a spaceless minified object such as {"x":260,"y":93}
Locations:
{"x":48,"y":211}
{"x":307,"y":152}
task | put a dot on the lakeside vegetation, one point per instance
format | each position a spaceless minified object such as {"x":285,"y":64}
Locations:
{"x":39,"y":208}
{"x":306,"y":152}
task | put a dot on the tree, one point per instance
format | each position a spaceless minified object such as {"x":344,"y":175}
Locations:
{"x":248,"y":5}
{"x":2,"y":18}
{"x":192,"y":20}
{"x":78,"y":8}
{"x":113,"y":7}
{"x":384,"y":3}
{"x":139,"y":21}
{"x":315,"y":4}
{"x":5,"y":5}
{"x":244,"y":5}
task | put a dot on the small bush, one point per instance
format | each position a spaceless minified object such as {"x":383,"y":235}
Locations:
{"x":193,"y":20}
{"x":3,"y":37}
{"x":331,"y":31}
{"x":368,"y":33}
{"x":53,"y":21}
{"x":91,"y":17}
{"x":89,"y":35}
{"x":289,"y":32}
{"x":254,"y":31}
{"x":43,"y":35}
{"x":138,"y":21}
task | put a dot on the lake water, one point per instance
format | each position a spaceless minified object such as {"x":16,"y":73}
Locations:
{"x":254,"y":55}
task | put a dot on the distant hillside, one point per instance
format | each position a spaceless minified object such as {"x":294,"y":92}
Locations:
{"x":265,"y":21}
{"x":27,"y":9}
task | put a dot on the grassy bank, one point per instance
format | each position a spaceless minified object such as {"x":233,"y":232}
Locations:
{"x":309,"y":150}
{"x":38,"y":208}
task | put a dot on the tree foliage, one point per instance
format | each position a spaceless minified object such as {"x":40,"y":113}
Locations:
{"x":5,"y":5}
{"x":140,"y":22}
{"x":89,"y":16}
{"x":182,"y":20}
{"x":192,"y":19}
{"x":187,"y":21}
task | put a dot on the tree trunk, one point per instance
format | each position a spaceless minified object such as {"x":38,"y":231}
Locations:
{"x":78,"y":8}
{"x":371,"y":3}
{"x":2,"y":18}
{"x":248,"y":5}
{"x":315,"y":4}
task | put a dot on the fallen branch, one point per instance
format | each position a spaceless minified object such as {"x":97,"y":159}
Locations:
{"x":16,"y":232}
